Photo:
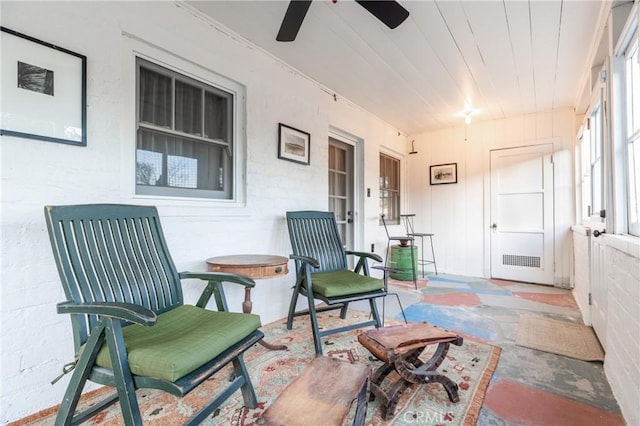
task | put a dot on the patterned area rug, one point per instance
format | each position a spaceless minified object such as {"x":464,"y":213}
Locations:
{"x":470,"y":365}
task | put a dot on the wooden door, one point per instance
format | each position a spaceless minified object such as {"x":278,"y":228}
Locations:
{"x":522,"y":214}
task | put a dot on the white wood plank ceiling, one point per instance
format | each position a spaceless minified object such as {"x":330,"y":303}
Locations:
{"x":506,"y":57}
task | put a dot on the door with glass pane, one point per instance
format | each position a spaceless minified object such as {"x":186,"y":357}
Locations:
{"x":341,"y":191}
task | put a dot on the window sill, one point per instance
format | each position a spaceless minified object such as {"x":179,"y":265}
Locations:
{"x":625,"y":243}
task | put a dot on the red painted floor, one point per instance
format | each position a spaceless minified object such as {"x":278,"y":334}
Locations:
{"x":565,"y":300}
{"x":453,"y":299}
{"x":526,"y":405}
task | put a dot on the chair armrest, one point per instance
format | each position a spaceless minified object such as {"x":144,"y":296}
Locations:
{"x":124,"y":311}
{"x":373,"y":256}
{"x":387,"y":269}
{"x":306,"y":259}
{"x":220,"y":276}
{"x":214,"y":286}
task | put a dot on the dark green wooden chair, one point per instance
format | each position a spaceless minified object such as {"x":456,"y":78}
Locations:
{"x":322,"y":273}
{"x":131,"y":328}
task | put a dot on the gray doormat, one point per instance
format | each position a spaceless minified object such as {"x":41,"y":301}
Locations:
{"x":559,"y":337}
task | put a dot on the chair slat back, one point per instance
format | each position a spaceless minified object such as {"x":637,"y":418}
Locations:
{"x":112,"y":253}
{"x":315,"y":234}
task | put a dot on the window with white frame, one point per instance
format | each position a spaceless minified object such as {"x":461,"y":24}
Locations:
{"x":596,"y":164}
{"x":632,"y":134}
{"x":591,"y":141}
{"x":390,"y":189}
{"x":185,"y":135}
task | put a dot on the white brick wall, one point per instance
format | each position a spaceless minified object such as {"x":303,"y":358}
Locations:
{"x":35,"y":341}
{"x":622,"y":361}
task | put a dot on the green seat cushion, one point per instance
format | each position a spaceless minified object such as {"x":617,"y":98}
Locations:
{"x":343,"y":283}
{"x":182,"y":340}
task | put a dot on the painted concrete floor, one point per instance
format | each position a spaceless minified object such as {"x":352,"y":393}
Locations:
{"x":529,"y":387}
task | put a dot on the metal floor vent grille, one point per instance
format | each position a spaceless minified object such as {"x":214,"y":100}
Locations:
{"x":515,"y":260}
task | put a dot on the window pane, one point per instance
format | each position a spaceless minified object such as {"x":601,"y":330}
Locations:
{"x":390,"y":189}
{"x":188,"y":109}
{"x":179,"y":163}
{"x":155,"y":98}
{"x":633,"y":86}
{"x":216,"y":110}
{"x":634,"y":186}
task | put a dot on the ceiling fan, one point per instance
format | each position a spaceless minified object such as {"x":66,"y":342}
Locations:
{"x":389,"y":12}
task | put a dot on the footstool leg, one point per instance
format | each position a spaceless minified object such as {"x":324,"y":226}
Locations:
{"x":449,"y":385}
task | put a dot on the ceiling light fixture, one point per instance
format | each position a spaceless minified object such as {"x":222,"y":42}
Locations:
{"x":467,"y":112}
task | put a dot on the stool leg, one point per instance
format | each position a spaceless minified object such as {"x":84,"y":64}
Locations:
{"x":422,"y":254}
{"x":413,"y":266}
{"x":433,"y":255}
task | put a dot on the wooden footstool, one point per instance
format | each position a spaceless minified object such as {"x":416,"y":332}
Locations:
{"x":322,"y":395}
{"x":399,"y":347}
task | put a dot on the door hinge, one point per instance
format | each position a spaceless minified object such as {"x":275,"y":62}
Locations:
{"x":551,"y":158}
{"x":589,"y":299}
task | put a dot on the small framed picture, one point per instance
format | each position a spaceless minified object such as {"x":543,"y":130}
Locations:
{"x":44,"y":90}
{"x":293,"y":144}
{"x":443,"y":173}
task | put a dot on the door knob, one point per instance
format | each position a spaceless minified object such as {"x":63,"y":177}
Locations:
{"x":494,"y":226}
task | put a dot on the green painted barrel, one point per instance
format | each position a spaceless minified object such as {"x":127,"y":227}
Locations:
{"x":400,"y":258}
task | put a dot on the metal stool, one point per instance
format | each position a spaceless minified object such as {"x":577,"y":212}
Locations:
{"x":408,"y":225}
{"x":405,"y":241}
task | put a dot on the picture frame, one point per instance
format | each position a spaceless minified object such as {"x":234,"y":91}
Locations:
{"x":293,"y":144}
{"x":441,"y":174}
{"x":44,"y":90}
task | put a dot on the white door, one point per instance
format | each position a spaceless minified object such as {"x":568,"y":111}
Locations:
{"x":522,"y":214}
{"x":341,"y":189}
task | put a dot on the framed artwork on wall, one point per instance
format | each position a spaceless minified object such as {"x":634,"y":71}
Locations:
{"x":293,"y":144}
{"x":44,"y":90}
{"x":443,"y":174}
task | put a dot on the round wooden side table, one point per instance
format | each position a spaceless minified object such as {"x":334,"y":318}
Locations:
{"x":256,"y":266}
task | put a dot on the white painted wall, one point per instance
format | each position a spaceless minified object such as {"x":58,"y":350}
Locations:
{"x":459,"y":214}
{"x":35,"y":341}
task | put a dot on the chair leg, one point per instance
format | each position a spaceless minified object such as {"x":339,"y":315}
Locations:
{"x":314,"y":326}
{"x":343,"y":310}
{"x":292,"y":305}
{"x":374,"y":312}
{"x":122,"y":374}
{"x":79,"y":377}
{"x":248,"y":393}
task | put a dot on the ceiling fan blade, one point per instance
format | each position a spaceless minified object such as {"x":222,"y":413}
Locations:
{"x":391,"y":13}
{"x":293,"y":20}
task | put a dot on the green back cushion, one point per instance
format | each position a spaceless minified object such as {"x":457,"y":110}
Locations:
{"x":343,"y":283}
{"x":182,"y":340}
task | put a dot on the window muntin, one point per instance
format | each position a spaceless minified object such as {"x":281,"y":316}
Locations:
{"x":185,"y":135}
{"x":390,"y":189}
